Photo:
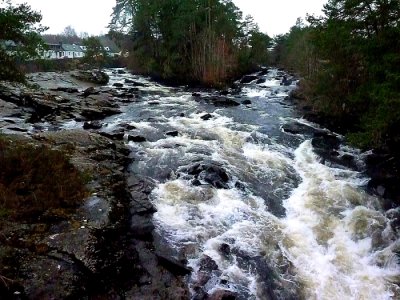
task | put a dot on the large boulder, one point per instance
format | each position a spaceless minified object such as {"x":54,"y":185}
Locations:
{"x":300,"y":128}
{"x":219,"y":101}
{"x":94,"y":76}
{"x":211,"y":173}
{"x":98,"y":113}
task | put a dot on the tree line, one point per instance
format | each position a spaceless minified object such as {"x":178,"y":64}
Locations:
{"x":350,"y":61}
{"x":204,"y":41}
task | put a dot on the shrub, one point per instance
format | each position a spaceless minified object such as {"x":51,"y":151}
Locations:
{"x":35,"y":179}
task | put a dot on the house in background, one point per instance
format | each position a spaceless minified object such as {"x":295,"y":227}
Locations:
{"x":53,"y":51}
{"x":73,"y":51}
{"x":60,"y":51}
{"x":110,"y":47}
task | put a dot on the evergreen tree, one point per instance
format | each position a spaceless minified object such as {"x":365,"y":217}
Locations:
{"x":354,"y":54}
{"x":19,"y":38}
{"x":95,"y":54}
{"x":190,"y":40}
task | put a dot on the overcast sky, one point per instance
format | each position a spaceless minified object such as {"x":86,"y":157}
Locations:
{"x":92,"y":16}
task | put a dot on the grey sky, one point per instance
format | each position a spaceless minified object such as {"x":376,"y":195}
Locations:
{"x":92,"y":16}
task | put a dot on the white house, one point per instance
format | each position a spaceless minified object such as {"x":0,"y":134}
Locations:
{"x":52,"y":51}
{"x":73,"y":51}
{"x":60,"y":51}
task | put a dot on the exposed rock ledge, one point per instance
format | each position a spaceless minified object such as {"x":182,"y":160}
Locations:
{"x":104,"y":249}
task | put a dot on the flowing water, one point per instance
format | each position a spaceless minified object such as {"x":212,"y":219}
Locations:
{"x":285,"y":225}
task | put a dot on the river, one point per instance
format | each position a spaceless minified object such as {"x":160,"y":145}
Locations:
{"x":252,"y":208}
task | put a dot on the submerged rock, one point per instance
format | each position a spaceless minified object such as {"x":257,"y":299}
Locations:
{"x":248,"y":79}
{"x":118,"y":85}
{"x":92,"y":125}
{"x":219,"y":101}
{"x":206,"y":117}
{"x":211,"y":173}
{"x":222,"y":295}
{"x":172,"y":133}
{"x":136,"y":138}
{"x":300,"y":128}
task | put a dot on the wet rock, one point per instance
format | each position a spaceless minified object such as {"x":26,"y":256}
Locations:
{"x":128,"y":126}
{"x":196,"y":94}
{"x":211,"y":173}
{"x":92,"y":125}
{"x":94,"y":76}
{"x":248,"y":79}
{"x":223,"y":102}
{"x":69,"y":90}
{"x":173,"y":265}
{"x":142,"y":227}
{"x":90,"y":91}
{"x":172,"y":133}
{"x":118,"y":85}
{"x":196,"y":182}
{"x":263,"y":72}
{"x":121,"y":72}
{"x":286,"y":81}
{"x":300,"y":128}
{"x":224,"y":93}
{"x":261,"y":80}
{"x":207,"y":264}
{"x":99,"y":113}
{"x":42,"y":106}
{"x":394,"y":218}
{"x":222,"y":295}
{"x":114,"y":135}
{"x":325,"y":142}
{"x":219,"y":101}
{"x":54,"y":278}
{"x":384,"y":169}
{"x":17,"y":129}
{"x":246,"y":102}
{"x":141,"y":204}
{"x":206,"y":117}
{"x":326,"y":145}
{"x":136,"y":138}
{"x":199,"y":293}
{"x":135,"y":83}
{"x":225,"y":249}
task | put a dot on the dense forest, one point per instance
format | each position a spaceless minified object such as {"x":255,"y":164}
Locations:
{"x":204,"y":41}
{"x":349,"y":60}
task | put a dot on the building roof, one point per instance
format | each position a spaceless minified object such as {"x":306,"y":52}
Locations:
{"x":72,"y":47}
{"x":108,"y":43}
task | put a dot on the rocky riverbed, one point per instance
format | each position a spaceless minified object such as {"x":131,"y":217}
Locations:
{"x":194,"y":193}
{"x":105,"y":249}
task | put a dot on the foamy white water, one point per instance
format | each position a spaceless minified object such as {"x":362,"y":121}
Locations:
{"x":328,"y":235}
{"x":289,"y":225}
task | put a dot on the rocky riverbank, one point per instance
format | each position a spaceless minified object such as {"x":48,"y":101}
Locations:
{"x":382,"y":164}
{"x":104,"y":248}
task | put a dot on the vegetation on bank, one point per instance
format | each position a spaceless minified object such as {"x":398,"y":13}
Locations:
{"x":19,"y":38}
{"x":204,"y":41}
{"x":349,"y":59}
{"x":34,"y":180}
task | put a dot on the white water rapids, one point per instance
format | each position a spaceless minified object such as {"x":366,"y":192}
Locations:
{"x":296,"y":228}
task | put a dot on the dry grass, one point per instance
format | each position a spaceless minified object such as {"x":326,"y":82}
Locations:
{"x":35,"y":179}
